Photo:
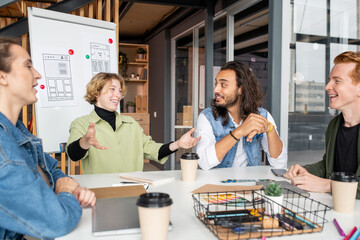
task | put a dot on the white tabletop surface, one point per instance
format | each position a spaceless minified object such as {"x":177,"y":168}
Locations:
{"x":186,"y":225}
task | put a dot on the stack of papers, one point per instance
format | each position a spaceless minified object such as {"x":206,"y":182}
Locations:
{"x":153,"y":178}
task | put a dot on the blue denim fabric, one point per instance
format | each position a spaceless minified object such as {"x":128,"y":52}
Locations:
{"x":27,"y":204}
{"x":252,"y":149}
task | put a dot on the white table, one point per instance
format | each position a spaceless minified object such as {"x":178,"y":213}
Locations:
{"x":186,"y":225}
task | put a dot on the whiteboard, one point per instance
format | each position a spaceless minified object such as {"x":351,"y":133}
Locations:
{"x":67,"y":50}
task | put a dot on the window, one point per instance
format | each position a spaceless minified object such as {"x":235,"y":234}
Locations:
{"x":316,"y":40}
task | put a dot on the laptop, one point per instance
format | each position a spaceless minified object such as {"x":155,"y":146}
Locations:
{"x":116,"y":216}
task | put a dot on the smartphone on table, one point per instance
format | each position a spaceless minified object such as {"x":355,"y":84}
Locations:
{"x":279,"y":172}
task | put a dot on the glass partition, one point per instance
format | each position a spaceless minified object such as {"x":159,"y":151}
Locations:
{"x":183,"y":88}
{"x":251,"y":44}
{"x":321,"y":30}
{"x":190,"y":75}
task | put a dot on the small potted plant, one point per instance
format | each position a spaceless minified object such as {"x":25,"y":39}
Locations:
{"x":141,"y":52}
{"x":123,"y":64}
{"x":274,"y":193}
{"x":130,"y":106}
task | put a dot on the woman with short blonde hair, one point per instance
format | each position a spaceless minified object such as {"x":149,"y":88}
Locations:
{"x":108,"y":142}
{"x":98,"y":82}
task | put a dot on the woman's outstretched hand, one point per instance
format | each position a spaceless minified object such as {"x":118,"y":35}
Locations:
{"x":186,"y":141}
{"x":89,"y":139}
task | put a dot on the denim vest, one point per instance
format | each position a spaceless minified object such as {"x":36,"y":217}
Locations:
{"x":252,"y":149}
{"x":27,"y":204}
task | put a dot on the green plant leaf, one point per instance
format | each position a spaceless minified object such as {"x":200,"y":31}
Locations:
{"x":273,"y":189}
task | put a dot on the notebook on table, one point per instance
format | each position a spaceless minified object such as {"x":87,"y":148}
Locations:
{"x":152,"y":178}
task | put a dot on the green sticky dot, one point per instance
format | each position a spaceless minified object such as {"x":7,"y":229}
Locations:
{"x":87,"y":56}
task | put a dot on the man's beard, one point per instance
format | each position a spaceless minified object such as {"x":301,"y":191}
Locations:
{"x":229,"y":101}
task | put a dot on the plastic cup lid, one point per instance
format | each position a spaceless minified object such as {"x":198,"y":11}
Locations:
{"x":154,"y":200}
{"x":343,"y":177}
{"x":189,"y":156}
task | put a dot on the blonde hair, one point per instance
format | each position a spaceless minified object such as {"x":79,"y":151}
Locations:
{"x":350,"y":57}
{"x":97,"y":83}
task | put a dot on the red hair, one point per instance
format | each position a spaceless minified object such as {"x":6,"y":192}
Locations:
{"x":350,"y":57}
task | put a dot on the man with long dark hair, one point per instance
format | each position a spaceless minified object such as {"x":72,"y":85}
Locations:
{"x":235,"y":127}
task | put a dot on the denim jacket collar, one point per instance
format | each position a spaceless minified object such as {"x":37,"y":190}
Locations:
{"x":19,"y":132}
{"x":23,"y":137}
{"x":252,"y":149}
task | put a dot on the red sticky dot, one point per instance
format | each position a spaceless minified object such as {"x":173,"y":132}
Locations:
{"x":110,"y":40}
{"x":42,"y":86}
{"x":71,"y":52}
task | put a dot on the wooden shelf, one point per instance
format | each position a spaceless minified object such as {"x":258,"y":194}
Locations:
{"x":135,"y":80}
{"x":138,"y":60}
{"x":137,"y":89}
{"x":137,"y":63}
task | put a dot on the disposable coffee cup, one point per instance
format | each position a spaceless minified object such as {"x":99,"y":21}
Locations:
{"x":343,"y":189}
{"x":189,"y":164}
{"x":154,"y":215}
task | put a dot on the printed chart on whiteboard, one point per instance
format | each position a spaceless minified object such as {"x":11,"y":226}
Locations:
{"x":100,"y":58}
{"x":59,"y":86}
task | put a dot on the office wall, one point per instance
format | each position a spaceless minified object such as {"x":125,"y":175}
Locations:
{"x":156,"y":86}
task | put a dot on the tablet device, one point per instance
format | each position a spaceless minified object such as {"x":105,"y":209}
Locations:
{"x":279,"y":172}
{"x":115,"y":216}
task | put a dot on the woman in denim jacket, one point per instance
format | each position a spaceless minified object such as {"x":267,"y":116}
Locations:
{"x":36,"y":199}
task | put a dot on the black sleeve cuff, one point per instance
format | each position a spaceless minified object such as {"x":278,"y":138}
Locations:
{"x":75,"y":152}
{"x":165,"y":151}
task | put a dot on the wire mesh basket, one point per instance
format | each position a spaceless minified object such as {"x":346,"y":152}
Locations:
{"x":251,"y":214}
